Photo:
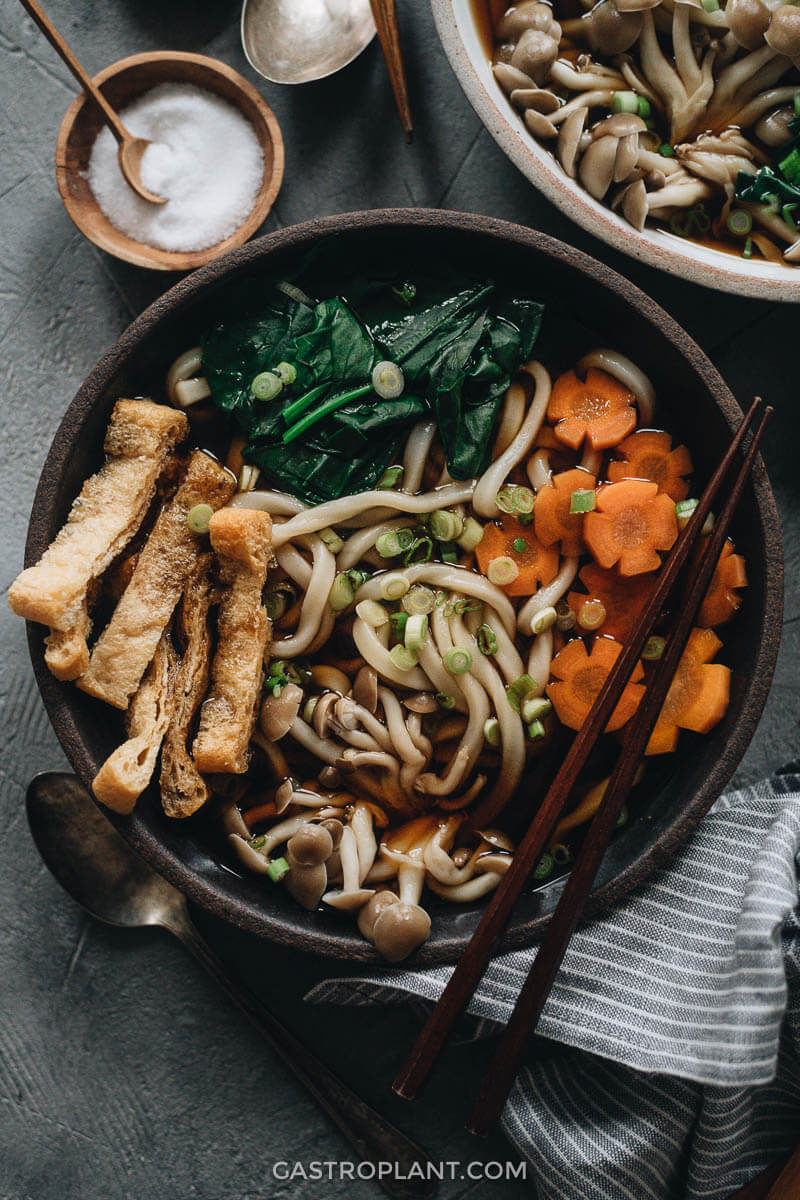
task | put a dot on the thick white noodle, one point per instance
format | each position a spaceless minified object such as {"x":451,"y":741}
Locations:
{"x":431,"y":662}
{"x":484,"y":499}
{"x":628,"y":374}
{"x":323,"y":573}
{"x":373,"y":651}
{"x":538,"y":468}
{"x":465,"y":893}
{"x":539,"y":659}
{"x":296,"y":567}
{"x":506,"y":656}
{"x":416,"y":453}
{"x":276,"y":503}
{"x":359,"y":544}
{"x":335,"y":512}
{"x":511,"y":419}
{"x":454,"y":579}
{"x":548,"y":596}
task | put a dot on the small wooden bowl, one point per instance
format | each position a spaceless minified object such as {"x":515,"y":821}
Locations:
{"x":123,"y":82}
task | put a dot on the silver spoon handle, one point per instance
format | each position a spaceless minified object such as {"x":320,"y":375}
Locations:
{"x":373,"y":1138}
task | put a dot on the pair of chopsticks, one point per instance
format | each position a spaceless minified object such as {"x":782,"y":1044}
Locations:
{"x":385,"y":16}
{"x":453,"y":1001}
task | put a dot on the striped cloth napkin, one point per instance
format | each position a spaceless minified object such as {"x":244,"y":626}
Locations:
{"x":677,"y":1018}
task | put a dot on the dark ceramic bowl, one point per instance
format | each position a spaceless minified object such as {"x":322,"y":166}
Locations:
{"x":587,"y":304}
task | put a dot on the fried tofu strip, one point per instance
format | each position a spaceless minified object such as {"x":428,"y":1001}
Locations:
{"x":127,"y":771}
{"x":242,"y":539}
{"x":110,"y":508}
{"x":66,"y":650}
{"x":183,"y":789}
{"x":128,"y":643}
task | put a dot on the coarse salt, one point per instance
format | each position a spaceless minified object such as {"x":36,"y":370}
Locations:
{"x":205,"y":159}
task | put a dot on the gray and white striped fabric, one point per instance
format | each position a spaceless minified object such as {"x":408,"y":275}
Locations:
{"x":677,"y":1073}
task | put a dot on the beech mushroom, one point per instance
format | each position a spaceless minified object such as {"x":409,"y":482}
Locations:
{"x":537,"y":49}
{"x":369,"y":914}
{"x":307,"y":851}
{"x":399,"y":930}
{"x":783,"y":32}
{"x":278,"y":712}
{"x":510,"y":78}
{"x":773,"y":128}
{"x":351,"y":896}
{"x":569,"y":140}
{"x":748,"y":21}
{"x":365,"y":688}
{"x":530,"y":14}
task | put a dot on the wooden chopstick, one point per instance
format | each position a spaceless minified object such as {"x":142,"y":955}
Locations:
{"x":504,"y":1065}
{"x":385,"y":16}
{"x":471,"y":965}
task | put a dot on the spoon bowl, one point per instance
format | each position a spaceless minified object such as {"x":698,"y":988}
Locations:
{"x":130,"y":155}
{"x":296,"y":41}
{"x":122,"y":83}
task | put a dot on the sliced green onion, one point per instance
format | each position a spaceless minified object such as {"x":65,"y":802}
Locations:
{"x":464,"y":606}
{"x":583,"y":500}
{"x":416,"y":632}
{"x":748,"y":249}
{"x":199,"y":517}
{"x":666,"y":151}
{"x":643,"y":107}
{"x":772,"y":201}
{"x":372,"y":612}
{"x":622,"y":819}
{"x":502,"y":570}
{"x":388,"y":380}
{"x":420,"y":551}
{"x":515,"y":499}
{"x":266,"y":386}
{"x":299,"y":674}
{"x":519,"y":690}
{"x":393,"y":585}
{"x":545,"y":619}
{"x":448,"y":552}
{"x":790,"y":166}
{"x":257,"y":843}
{"x":398,"y":622}
{"x":796,"y":104}
{"x":536,"y":730}
{"x":277,"y":600}
{"x":318,"y":414}
{"x":565,"y":617}
{"x":445,"y":700}
{"x":625,"y":102}
{"x":403,"y":658}
{"x":308,"y":709}
{"x":561,"y":854}
{"x":394,"y":542}
{"x":710,"y":5}
{"x":591,"y":614}
{"x":286,"y":372}
{"x":405,"y":292}
{"x":653,"y":649}
{"x":739,"y":222}
{"x":520,"y":545}
{"x":446,"y":526}
{"x":457,"y":660}
{"x":491,"y":731}
{"x":341,"y":594}
{"x":332,"y":540}
{"x":486,"y":639}
{"x":277,"y":869}
{"x":471,"y":535}
{"x":390,"y":478}
{"x":419,"y":599}
{"x":786,"y":214}
{"x":544,"y":867}
{"x":684,"y":510}
{"x":357,"y":576}
{"x":533,"y":708}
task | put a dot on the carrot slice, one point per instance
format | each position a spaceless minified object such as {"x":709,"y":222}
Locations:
{"x":623,"y":599}
{"x":632,"y":521}
{"x":648,"y":454}
{"x":581,"y":675}
{"x":537,"y":564}
{"x":698,"y":695}
{"x":721,"y":600}
{"x":552,"y":519}
{"x":597,"y":408}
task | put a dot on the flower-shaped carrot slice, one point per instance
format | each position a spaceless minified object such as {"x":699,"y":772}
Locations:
{"x":698,"y":695}
{"x":597,"y":408}
{"x":537,"y":564}
{"x":633,"y":520}
{"x":721,"y":600}
{"x":623,"y":599}
{"x":648,"y":454}
{"x":552,"y":519}
{"x":580,"y":677}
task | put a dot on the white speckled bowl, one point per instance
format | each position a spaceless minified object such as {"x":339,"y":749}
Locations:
{"x":460,"y":37}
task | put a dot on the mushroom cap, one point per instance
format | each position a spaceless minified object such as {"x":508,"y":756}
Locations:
{"x":425,"y":702}
{"x":748,"y":21}
{"x":348,"y":901}
{"x":335,"y":828}
{"x":540,"y":99}
{"x":634,"y":204}
{"x":307,"y":884}
{"x":373,"y":909}
{"x":249,"y":857}
{"x":627,"y":155}
{"x":510,"y":77}
{"x":783,"y":32}
{"x":569,"y":137}
{"x":535,"y":54}
{"x":596,"y":169}
{"x":322,"y":712}
{"x":365,"y":688}
{"x":399,"y":930}
{"x":773,"y":128}
{"x":539,"y":124}
{"x":310,"y":846}
{"x":635,"y":6}
{"x":278,"y":712}
{"x":530,"y":14}
{"x":619,"y":125}
{"x":611,"y":31}
{"x":793,"y":253}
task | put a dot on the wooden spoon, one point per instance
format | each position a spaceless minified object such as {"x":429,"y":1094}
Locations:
{"x":131,"y":148}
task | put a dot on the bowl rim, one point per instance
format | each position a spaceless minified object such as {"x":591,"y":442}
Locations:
{"x":760,"y":281}
{"x":260,"y":919}
{"x":128,"y":249}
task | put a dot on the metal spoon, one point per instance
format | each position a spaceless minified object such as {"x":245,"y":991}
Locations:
{"x":131,"y":149}
{"x":295,"y":41}
{"x":98,"y":869}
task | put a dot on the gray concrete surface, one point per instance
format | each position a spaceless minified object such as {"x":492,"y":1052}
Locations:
{"x":123,"y":1072}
